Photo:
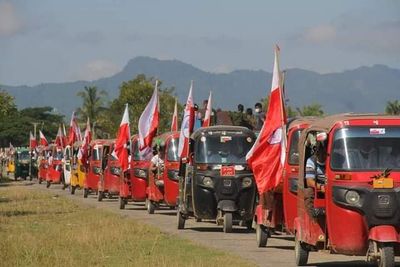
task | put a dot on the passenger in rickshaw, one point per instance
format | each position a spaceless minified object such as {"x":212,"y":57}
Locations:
{"x":157,"y":165}
{"x":394,"y":158}
{"x":220,"y":152}
{"x":315,"y":178}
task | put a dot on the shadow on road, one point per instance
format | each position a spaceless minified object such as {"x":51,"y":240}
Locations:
{"x":343,"y":264}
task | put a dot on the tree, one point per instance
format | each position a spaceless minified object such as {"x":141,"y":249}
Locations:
{"x":393,"y":107}
{"x":92,"y":105}
{"x":314,"y":109}
{"x":7,"y":105}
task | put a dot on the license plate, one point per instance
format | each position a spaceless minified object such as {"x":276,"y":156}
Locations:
{"x":228,"y":171}
{"x":383,"y":183}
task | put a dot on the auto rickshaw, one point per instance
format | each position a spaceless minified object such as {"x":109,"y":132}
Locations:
{"x":109,"y":182}
{"x":43,"y":163}
{"x":354,"y":208}
{"x":55,"y":165}
{"x":217,"y":183}
{"x":67,"y":166}
{"x":134,"y":184}
{"x":269,"y":213}
{"x":78,"y":171}
{"x":33,"y":168}
{"x":163,"y":185}
{"x":94,"y":169}
{"x":10,"y":165}
{"x":21,"y":160}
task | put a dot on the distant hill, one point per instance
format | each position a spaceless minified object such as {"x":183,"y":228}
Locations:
{"x":365,"y":89}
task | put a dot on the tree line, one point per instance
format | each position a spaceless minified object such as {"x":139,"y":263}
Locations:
{"x":105,"y":115}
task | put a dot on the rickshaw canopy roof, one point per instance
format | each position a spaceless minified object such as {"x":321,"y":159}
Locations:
{"x":221,"y":128}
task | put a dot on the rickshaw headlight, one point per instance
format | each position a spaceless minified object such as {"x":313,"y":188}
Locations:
{"x":140,"y":173}
{"x":246,"y":182}
{"x":116,"y":170}
{"x":173,"y":175}
{"x":352,"y":197}
{"x":96,"y":170}
{"x":207,"y":181}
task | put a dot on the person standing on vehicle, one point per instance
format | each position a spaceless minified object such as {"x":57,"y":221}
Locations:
{"x":259,"y":117}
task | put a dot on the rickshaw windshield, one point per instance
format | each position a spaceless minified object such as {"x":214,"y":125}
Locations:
{"x":366,"y":148}
{"x":223,"y":149}
{"x":96,"y":153}
{"x":24,"y":155}
{"x":294,"y":148}
{"x":172,"y":153}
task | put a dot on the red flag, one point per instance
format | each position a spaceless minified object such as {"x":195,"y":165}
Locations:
{"x":267,"y":155}
{"x":148,"y":122}
{"x":207,"y":116}
{"x":83,"y":150}
{"x":187,"y":125}
{"x":174,"y":123}
{"x":32,"y":141}
{"x":43,"y":140}
{"x":60,"y":138}
{"x":123,"y":138}
{"x":74,"y":130}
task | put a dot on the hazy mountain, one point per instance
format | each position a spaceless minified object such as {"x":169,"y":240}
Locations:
{"x":365,"y":89}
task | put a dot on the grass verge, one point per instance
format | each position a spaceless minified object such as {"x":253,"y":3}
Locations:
{"x":40,"y":229}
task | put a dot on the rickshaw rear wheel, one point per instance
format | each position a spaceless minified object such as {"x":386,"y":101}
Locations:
{"x":301,"y":252}
{"x":261,"y":235}
{"x":122,"y":203}
{"x":48,"y":184}
{"x":85,"y":192}
{"x":181,"y":220}
{"x":73,"y":188}
{"x":386,"y":253}
{"x":227,"y":227}
{"x":100,"y":196}
{"x":150,"y":206}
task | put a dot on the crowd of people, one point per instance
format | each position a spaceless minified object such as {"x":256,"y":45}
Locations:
{"x":252,"y":120}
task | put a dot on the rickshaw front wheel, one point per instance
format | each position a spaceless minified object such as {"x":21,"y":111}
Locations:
{"x":85,"y":192}
{"x":261,"y":235}
{"x":301,"y":252}
{"x":122,"y":203}
{"x":73,"y":188}
{"x":181,"y":220}
{"x":227,"y":227}
{"x":386,"y":253}
{"x":40,"y":181}
{"x":100,"y":196}
{"x":150,"y":206}
{"x":48,"y":184}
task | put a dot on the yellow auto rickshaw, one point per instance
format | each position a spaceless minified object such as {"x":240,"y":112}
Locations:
{"x":10,"y":166}
{"x":78,"y":172}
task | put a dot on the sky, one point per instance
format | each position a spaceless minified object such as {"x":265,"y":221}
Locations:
{"x":59,"y":41}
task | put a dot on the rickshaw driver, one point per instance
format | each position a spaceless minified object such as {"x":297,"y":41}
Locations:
{"x":315,"y":168}
{"x":220,"y":154}
{"x":157,"y":164}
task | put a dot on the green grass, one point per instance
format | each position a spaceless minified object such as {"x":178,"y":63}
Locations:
{"x":39,"y":229}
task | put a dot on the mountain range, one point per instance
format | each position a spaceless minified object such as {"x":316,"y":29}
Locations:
{"x":364,"y":89}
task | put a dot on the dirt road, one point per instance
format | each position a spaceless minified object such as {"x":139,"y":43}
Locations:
{"x":279,"y":251}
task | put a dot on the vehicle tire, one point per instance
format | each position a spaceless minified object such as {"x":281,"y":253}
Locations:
{"x":227,"y":227}
{"x":386,"y":253}
{"x":180,"y":220}
{"x":48,"y":184}
{"x":300,"y":251}
{"x":73,"y":188}
{"x":85,"y":192}
{"x":122,"y":203}
{"x":261,"y":235}
{"x":198,"y":220}
{"x":249,"y":225}
{"x":15,"y":177}
{"x":172,"y":207}
{"x":40,"y":181}
{"x":100,"y":196}
{"x":30,"y":178}
{"x":150,"y":206}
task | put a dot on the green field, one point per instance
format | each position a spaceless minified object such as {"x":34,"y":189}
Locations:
{"x":40,"y":229}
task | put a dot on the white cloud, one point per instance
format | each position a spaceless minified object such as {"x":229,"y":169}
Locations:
{"x":10,"y":23}
{"x":320,"y":34}
{"x":97,"y":69}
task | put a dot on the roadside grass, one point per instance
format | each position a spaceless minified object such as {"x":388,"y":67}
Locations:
{"x":41,"y":229}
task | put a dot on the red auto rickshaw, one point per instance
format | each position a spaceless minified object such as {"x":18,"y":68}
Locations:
{"x":269,"y":212}
{"x":94,"y":169}
{"x":354,"y":208}
{"x":43,"y":164}
{"x":163,"y":187}
{"x":134,"y":184}
{"x":109,"y":182}
{"x":55,"y":168}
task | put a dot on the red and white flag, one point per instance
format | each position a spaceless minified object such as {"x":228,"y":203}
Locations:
{"x":267,"y":156}
{"x":121,"y":143}
{"x":32,"y":141}
{"x":43,"y":140}
{"x":83,"y":150}
{"x":207,"y":116}
{"x":174,"y":123}
{"x":187,"y":125}
{"x":60,"y":138}
{"x":74,"y":130}
{"x":148,"y":122}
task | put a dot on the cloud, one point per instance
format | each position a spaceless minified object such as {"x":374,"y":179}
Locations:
{"x":10,"y":23}
{"x":97,"y":69}
{"x":320,"y":34}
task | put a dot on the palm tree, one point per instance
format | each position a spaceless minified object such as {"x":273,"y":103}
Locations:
{"x":393,"y":107}
{"x":314,"y":109}
{"x":93,"y":104}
